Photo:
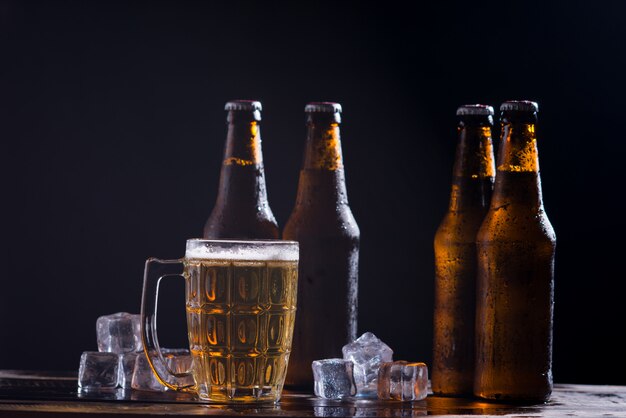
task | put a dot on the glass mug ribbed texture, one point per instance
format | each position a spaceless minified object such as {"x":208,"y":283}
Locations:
{"x":241,"y":306}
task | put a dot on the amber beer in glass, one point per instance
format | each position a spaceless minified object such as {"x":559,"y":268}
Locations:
{"x":323,"y":224}
{"x":242,"y":209}
{"x":241,"y":306}
{"x":455,"y":253}
{"x":515,"y":292}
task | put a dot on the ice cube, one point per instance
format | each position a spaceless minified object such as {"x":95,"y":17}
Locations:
{"x":98,"y":371}
{"x":126,"y":369}
{"x":367,"y":353}
{"x":143,"y":377}
{"x":333,"y":378}
{"x":119,"y":333}
{"x":402,"y":381}
{"x":179,"y":360}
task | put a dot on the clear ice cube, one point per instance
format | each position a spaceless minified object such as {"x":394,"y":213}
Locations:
{"x":126,"y":369}
{"x":333,"y":378}
{"x":98,"y":371}
{"x":367,"y":353}
{"x":402,"y":381}
{"x":119,"y":333}
{"x":143,"y":377}
{"x":178,"y":360}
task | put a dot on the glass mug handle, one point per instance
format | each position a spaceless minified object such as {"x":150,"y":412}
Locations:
{"x":152,"y":349}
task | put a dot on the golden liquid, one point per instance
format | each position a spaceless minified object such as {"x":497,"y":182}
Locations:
{"x":452,"y":368}
{"x":515,"y":293}
{"x":455,"y":303}
{"x":240,"y":317}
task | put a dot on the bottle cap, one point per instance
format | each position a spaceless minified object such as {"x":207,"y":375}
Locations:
{"x":475,"y":110}
{"x":249,"y":105}
{"x":520,"y":105}
{"x":323,"y":107}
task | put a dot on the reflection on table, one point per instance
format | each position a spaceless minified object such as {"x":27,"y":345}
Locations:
{"x":27,"y":393}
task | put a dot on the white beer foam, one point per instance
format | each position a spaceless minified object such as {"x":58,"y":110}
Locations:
{"x":242,"y":250}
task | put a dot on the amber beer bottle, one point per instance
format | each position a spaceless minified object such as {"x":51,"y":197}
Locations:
{"x":455,"y":253}
{"x":515,"y":292}
{"x":323,"y":224}
{"x":242,"y":209}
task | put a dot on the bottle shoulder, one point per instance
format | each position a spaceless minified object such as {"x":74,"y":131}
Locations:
{"x":260,"y":231}
{"x":317,"y":221}
{"x":460,"y":226}
{"x":516,"y":223}
{"x":251,"y":223}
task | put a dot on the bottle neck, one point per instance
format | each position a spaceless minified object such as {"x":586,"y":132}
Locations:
{"x":322,"y":178}
{"x":517,"y":176}
{"x":323,"y":145}
{"x":242,"y":177}
{"x":243,"y":144}
{"x":474,"y":168}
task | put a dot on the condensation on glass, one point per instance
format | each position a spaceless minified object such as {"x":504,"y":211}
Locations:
{"x":323,"y":223}
{"x":455,"y":253}
{"x":516,"y":254}
{"x":242,"y":209}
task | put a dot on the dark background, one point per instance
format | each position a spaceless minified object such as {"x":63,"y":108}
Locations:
{"x":112,"y":130}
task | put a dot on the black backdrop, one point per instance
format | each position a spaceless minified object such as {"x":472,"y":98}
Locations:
{"x":112,"y":128}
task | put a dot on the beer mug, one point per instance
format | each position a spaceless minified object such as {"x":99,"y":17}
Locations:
{"x":241,"y":306}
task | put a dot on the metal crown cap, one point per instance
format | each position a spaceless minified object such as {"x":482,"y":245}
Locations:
{"x":249,"y":105}
{"x":326,"y":107}
{"x":520,"y":105}
{"x":475,"y":110}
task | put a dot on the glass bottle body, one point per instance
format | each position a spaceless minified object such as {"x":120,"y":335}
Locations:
{"x":515,"y":293}
{"x":323,"y":224}
{"x":455,"y":259}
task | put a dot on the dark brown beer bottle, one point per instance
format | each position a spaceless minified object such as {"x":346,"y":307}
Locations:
{"x":242,"y":209}
{"x":515,"y":292}
{"x":323,"y":224}
{"x":455,"y":253}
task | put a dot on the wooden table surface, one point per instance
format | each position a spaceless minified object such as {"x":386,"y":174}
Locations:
{"x":40,"y":394}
